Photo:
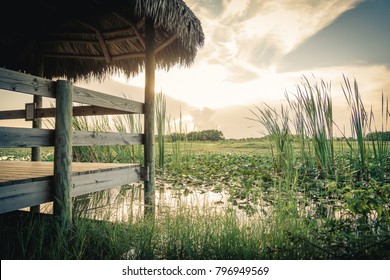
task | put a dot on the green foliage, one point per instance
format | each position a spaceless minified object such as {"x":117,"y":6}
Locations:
{"x":277,"y":126}
{"x":161,"y":107}
{"x":120,"y":153}
{"x":359,"y":123}
{"x":314,"y":120}
{"x":205,"y":135}
{"x":378,"y":136}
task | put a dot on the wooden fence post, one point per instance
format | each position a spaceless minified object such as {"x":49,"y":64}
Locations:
{"x":37,"y":122}
{"x":149,"y":195}
{"x":36,"y":151}
{"x":63,"y":152}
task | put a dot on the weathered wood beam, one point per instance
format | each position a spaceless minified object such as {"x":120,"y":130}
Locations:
{"x":63,"y":153}
{"x":19,"y":194}
{"x":86,"y":96}
{"x":118,"y":31}
{"x":93,"y":182}
{"x":133,"y":27}
{"x":25,"y":194}
{"x":98,"y":111}
{"x":51,"y":112}
{"x":12,"y":114}
{"x":25,"y":83}
{"x":167,"y":43}
{"x":128,"y":56}
{"x":120,"y":39}
{"x":104,"y":47}
{"x":150,"y":65}
{"x":15,"y":137}
{"x":36,"y":151}
{"x":88,"y":138}
{"x":101,"y":40}
{"x":37,"y":123}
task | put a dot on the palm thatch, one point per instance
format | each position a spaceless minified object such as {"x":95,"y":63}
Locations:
{"x":79,"y":39}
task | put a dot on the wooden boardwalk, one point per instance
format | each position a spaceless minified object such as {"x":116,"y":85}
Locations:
{"x":29,"y":184}
{"x":24,"y":183}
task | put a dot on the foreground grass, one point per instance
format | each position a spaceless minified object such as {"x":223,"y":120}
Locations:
{"x":311,"y":217}
{"x":189,"y":236}
{"x":303,"y":196}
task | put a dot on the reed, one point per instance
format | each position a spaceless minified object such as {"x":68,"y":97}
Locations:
{"x":277,"y":126}
{"x":359,"y":125}
{"x":180,"y":146}
{"x":379,"y":143}
{"x":161,"y":107}
{"x":314,"y":114}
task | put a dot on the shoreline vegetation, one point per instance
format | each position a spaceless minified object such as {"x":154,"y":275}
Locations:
{"x":298,"y":193}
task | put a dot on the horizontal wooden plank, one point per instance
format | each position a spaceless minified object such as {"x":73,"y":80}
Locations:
{"x":17,"y":196}
{"x":90,"y":97}
{"x":88,"y":183}
{"x":89,"y":138}
{"x":25,"y":184}
{"x":95,"y":111}
{"x":12,"y":114}
{"x":51,"y":112}
{"x":25,"y":83}
{"x":24,"y":170}
{"x":16,"y":137}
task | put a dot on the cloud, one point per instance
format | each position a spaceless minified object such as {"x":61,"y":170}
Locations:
{"x":259,"y":32}
{"x":232,"y":101}
{"x":360,"y":36}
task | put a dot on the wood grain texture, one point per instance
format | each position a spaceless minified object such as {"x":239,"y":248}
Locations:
{"x":15,"y":137}
{"x":63,"y":153}
{"x":25,"y":83}
{"x":26,"y":183}
{"x":90,"y":97}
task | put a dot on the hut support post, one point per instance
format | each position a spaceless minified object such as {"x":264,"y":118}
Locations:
{"x":63,"y":153}
{"x":149,"y":184}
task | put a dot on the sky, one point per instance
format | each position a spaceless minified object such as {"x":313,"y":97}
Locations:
{"x":256,"y":51}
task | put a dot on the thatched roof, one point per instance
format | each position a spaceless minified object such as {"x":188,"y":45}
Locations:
{"x":84,"y":38}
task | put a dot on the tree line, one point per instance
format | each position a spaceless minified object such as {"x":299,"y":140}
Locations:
{"x":204,"y":135}
{"x":378,"y":136}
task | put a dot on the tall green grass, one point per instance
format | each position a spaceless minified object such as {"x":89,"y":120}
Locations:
{"x":314,"y":119}
{"x":359,"y":124}
{"x":277,"y":126}
{"x":161,"y":108}
{"x":180,"y":146}
{"x":379,"y":145}
{"x":352,"y":184}
{"x":284,"y":233}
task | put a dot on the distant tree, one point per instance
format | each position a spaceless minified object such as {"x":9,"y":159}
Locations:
{"x":378,"y":135}
{"x":177,"y":137}
{"x":205,"y":135}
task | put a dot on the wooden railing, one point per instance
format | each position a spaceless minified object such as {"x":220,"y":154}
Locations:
{"x":63,"y":137}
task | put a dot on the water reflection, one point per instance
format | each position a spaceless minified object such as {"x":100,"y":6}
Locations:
{"x":127,"y":203}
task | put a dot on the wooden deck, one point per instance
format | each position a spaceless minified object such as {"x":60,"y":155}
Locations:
{"x":24,"y":183}
{"x":28,"y":184}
